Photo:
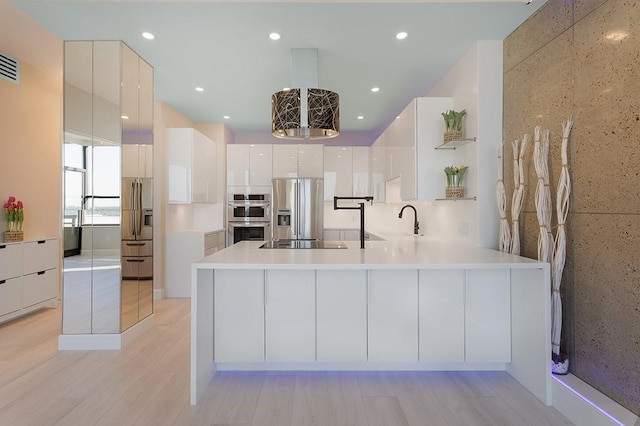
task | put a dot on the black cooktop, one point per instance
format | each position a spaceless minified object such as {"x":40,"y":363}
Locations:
{"x":303,"y":244}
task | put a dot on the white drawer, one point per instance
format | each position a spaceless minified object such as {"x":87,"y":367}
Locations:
{"x":39,"y":287}
{"x":10,"y":295}
{"x":210,"y":240}
{"x":40,"y":255}
{"x":10,"y":260}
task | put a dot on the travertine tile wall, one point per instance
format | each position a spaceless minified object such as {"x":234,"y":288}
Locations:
{"x":582,"y":58}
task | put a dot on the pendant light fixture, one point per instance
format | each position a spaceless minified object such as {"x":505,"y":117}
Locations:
{"x":305,"y":112}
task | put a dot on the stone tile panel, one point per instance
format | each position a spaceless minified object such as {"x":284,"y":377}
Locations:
{"x":543,"y":26}
{"x":582,"y":8}
{"x":606,"y":175}
{"x":606,"y":265}
{"x":538,"y":92}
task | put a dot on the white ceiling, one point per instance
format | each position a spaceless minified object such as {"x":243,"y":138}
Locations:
{"x":224,"y":47}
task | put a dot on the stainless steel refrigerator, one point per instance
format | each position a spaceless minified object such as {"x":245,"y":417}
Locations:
{"x":297,"y":209}
{"x":137,"y":250}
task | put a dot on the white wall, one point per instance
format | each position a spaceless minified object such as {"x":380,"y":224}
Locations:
{"x":31,"y":123}
{"x":475,"y":83}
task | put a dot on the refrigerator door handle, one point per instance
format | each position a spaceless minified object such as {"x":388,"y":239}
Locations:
{"x":296,"y":204}
{"x":139,"y":212}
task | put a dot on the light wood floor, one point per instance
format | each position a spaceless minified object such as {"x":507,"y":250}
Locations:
{"x":147,"y":383}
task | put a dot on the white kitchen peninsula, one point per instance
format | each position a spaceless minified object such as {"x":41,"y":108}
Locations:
{"x":403,"y":304}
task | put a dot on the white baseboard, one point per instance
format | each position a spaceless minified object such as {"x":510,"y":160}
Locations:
{"x":158,"y":293}
{"x":585,"y":405}
{"x":85,"y":342}
{"x":134,"y":332}
{"x":358,"y":366}
{"x":97,"y":342}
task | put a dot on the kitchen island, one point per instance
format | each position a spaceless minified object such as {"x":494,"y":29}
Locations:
{"x":403,"y":304}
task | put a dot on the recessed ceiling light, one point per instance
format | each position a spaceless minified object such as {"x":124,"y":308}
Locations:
{"x":375,"y":89}
{"x":274,"y":36}
{"x":148,"y":36}
{"x":226,"y":117}
{"x":401,"y":35}
{"x":361,"y":117}
{"x":124,"y":117}
{"x":199,"y":89}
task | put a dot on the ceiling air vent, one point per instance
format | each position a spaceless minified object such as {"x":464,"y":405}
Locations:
{"x":9,"y":68}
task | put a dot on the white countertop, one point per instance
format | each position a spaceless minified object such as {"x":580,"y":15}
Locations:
{"x":395,"y":253}
{"x":196,"y":231}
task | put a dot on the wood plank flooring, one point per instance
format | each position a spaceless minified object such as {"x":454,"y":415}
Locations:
{"x":147,"y":383}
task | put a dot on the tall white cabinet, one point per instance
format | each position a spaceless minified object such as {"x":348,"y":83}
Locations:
{"x":191,"y":158}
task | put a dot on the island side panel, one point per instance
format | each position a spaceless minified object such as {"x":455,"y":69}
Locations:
{"x":202,"y":366}
{"x":531,"y":331}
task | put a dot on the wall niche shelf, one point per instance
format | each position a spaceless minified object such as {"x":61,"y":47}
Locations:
{"x":456,"y":199}
{"x":453,"y":144}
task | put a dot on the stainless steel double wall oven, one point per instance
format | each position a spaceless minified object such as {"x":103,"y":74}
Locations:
{"x":248,"y":217}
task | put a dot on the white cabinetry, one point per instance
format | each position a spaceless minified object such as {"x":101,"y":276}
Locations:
{"x":238,"y":165}
{"x":285,"y":161}
{"x":393,"y":315}
{"x":249,"y":165}
{"x":346,"y":171}
{"x":442,"y":315}
{"x":137,"y":161}
{"x":29,"y":277}
{"x":406,"y":150}
{"x":488,"y":316}
{"x":311,"y":161}
{"x":290,"y":315}
{"x":10,"y":278}
{"x":341,"y":303}
{"x":192,"y":165}
{"x":260,"y":165}
{"x":298,"y":161}
{"x":378,"y":169}
{"x":360,"y":179}
{"x":182,"y":249}
{"x":338,"y":172}
{"x":465,"y":318}
{"x":239,"y":315}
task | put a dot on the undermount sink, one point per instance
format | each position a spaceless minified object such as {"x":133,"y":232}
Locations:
{"x":303,"y":244}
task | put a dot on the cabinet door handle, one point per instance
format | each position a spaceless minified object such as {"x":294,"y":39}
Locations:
{"x":135,"y":244}
{"x":2,"y":281}
{"x":41,"y":241}
{"x":41,"y":272}
{"x":135,"y":260}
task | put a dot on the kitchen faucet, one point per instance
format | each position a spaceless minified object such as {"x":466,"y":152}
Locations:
{"x":361,"y":208}
{"x":416,"y":226}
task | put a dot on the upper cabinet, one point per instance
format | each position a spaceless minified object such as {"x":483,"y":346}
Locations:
{"x":360,"y":180}
{"x":406,"y":150}
{"x":136,"y":115}
{"x":191,"y":167}
{"x":303,"y":160}
{"x":378,"y":169}
{"x":346,"y":171}
{"x":249,"y":165}
{"x":338,"y":172}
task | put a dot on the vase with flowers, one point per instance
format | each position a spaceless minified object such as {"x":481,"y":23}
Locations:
{"x":14,"y":218}
{"x":455,"y":176}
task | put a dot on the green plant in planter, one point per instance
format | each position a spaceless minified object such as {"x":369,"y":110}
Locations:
{"x":455,"y":175}
{"x":453,"y":120}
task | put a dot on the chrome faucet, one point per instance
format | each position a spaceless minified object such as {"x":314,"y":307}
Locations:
{"x":416,"y":226}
